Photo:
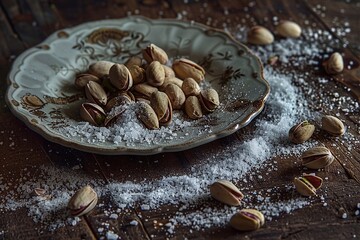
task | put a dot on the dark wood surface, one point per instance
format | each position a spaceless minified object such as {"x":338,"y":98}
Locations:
{"x":25,"y":23}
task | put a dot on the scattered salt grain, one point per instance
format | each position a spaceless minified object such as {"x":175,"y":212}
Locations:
{"x":357,"y":212}
{"x":110,"y":235}
{"x":134,"y":223}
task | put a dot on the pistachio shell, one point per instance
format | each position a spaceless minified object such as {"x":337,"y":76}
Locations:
{"x":120,"y":77}
{"x":95,"y":93}
{"x":100,"y":68}
{"x":185,"y":68}
{"x":92,"y":113}
{"x":209,"y":99}
{"x":83,"y":201}
{"x":193,"y":107}
{"x":154,"y":53}
{"x":155,"y":74}
{"x":82,"y":79}
{"x":247,"y":220}
{"x":332,"y":125}
{"x":176,"y":95}
{"x":288,"y":29}
{"x":145,"y":89}
{"x":169,"y":72}
{"x":190,"y":87}
{"x":259,"y":35}
{"x":335,"y":64}
{"x":173,"y":80}
{"x":301,"y":132}
{"x":307,"y":184}
{"x":133,"y":61}
{"x":317,"y":157}
{"x":118,"y":100}
{"x":148,"y":116}
{"x":226,"y":192}
{"x":160,"y":102}
{"x":137,"y":73}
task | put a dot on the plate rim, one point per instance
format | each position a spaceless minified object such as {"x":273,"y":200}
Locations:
{"x":156,"y":149}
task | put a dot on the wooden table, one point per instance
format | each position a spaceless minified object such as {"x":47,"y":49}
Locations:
{"x":26,"y":23}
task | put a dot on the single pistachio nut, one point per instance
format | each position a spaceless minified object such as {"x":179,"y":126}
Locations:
{"x":137,"y":73}
{"x":106,"y":84}
{"x":307,"y":185}
{"x":161,"y":104}
{"x":120,"y":77}
{"x":144,"y":89}
{"x":301,"y":132}
{"x":185,"y":68}
{"x":247,"y":220}
{"x":317,"y":157}
{"x":119,"y":99}
{"x":335,"y":64}
{"x":193,"y":107}
{"x":169,"y":72}
{"x":92,"y":113}
{"x":82,"y":79}
{"x":288,"y":29}
{"x":173,"y":80}
{"x":147,"y":116}
{"x":95,"y":93}
{"x":332,"y":125}
{"x":226,"y":192}
{"x":100,"y":68}
{"x":190,"y":87}
{"x":155,"y":74}
{"x":134,"y":60}
{"x":154,"y":53}
{"x":176,"y":95}
{"x":83,"y":201}
{"x":209,"y":99}
{"x":259,"y":35}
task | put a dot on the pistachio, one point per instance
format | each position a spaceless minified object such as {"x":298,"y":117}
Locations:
{"x":148,"y":116}
{"x":317,"y":157}
{"x":82,"y":79}
{"x":120,"y":77}
{"x":155,"y":74}
{"x":307,"y":185}
{"x":169,"y":72}
{"x":120,"y":99}
{"x":161,"y":104}
{"x":145,"y":90}
{"x":209,"y":99}
{"x":137,"y":73}
{"x":335,"y":64}
{"x":226,"y":192}
{"x":92,"y":113}
{"x":100,"y":68}
{"x":83,"y":201}
{"x":154,"y":53}
{"x":247,"y":220}
{"x":133,"y":61}
{"x":301,"y":132}
{"x":106,"y":84}
{"x":259,"y":35}
{"x":288,"y":29}
{"x":95,"y":93}
{"x":185,"y":68}
{"x":173,"y":80}
{"x":190,"y":87}
{"x":193,"y":107}
{"x":176,"y":95}
{"x":332,"y":125}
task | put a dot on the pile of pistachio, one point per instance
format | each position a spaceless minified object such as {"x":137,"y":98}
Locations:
{"x":158,"y":88}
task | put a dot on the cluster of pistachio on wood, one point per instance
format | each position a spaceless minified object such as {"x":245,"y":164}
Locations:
{"x":316,"y":157}
{"x":244,"y":220}
{"x":158,"y":88}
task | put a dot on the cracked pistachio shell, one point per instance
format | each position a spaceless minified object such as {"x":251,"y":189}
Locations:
{"x":82,"y":79}
{"x":137,"y":73}
{"x":193,"y":107}
{"x":120,"y":77}
{"x":100,"y":68}
{"x":190,"y":87}
{"x":95,"y":93}
{"x":259,"y":35}
{"x":332,"y":125}
{"x":307,"y":184}
{"x":301,"y":132}
{"x":185,"y":68}
{"x":92,"y":113}
{"x":134,"y":60}
{"x":155,"y":74}
{"x":226,"y":192}
{"x":335,"y":64}
{"x":144,"y":89}
{"x":169,"y":72}
{"x":148,"y":116}
{"x":317,"y":157}
{"x":176,"y":95}
{"x":161,"y":104}
{"x":155,"y":53}
{"x":209,"y":99}
{"x":288,"y":29}
{"x":83,"y":201}
{"x":247,"y":220}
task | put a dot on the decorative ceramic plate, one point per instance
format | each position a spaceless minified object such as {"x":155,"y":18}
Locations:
{"x":41,"y":88}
